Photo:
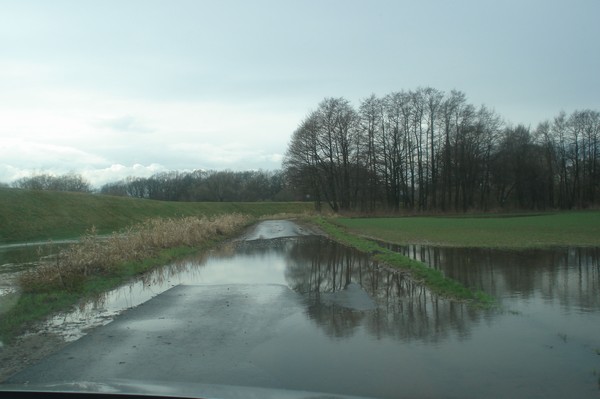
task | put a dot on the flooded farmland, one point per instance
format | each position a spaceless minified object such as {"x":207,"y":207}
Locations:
{"x":361,"y":329}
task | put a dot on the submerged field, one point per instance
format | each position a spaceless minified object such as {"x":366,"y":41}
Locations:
{"x":518,"y":231}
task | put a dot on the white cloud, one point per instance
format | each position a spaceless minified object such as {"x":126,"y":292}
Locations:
{"x":20,"y":158}
{"x":82,"y":95}
{"x":96,"y":176}
{"x":116,"y":172}
{"x":38,"y":155}
{"x":90,"y":133}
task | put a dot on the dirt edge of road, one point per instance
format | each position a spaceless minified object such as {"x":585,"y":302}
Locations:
{"x":27,"y":350}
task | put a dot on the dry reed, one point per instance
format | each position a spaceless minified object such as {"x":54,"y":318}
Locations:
{"x":95,"y":255}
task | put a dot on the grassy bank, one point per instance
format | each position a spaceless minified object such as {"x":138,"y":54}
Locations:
{"x":419,"y":271}
{"x":27,"y":215}
{"x":522,"y":231}
{"x":95,"y":264}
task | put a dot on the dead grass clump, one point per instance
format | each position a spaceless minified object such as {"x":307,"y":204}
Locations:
{"x":94,"y":255}
{"x":287,"y":215}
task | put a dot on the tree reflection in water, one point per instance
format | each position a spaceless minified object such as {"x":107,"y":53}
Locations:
{"x":317,"y":268}
{"x":570,"y":276}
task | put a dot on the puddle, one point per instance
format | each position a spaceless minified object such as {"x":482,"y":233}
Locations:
{"x":16,"y":258}
{"x":271,"y":229}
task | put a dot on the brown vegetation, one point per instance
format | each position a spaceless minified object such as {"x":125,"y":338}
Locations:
{"x":96,"y":255}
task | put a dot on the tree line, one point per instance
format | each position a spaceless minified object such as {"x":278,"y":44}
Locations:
{"x":427,"y":150}
{"x":44,"y":181}
{"x":200,"y":185}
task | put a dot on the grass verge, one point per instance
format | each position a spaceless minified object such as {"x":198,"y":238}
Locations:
{"x":514,"y":231}
{"x":29,"y":215}
{"x":95,"y":265}
{"x":419,"y":271}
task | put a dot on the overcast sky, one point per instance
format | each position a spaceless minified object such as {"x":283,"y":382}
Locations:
{"x":116,"y":88}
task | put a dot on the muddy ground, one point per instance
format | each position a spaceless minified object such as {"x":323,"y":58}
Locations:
{"x":28,"y":350}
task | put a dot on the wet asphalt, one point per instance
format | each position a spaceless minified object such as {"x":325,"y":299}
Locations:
{"x":187,"y":334}
{"x":252,"y":335}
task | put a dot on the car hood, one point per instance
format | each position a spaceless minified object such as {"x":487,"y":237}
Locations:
{"x":168,"y":390}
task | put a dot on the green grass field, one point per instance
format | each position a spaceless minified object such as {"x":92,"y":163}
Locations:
{"x":40,"y":215}
{"x":518,"y":231}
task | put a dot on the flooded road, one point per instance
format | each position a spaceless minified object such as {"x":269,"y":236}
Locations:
{"x":284,"y":309}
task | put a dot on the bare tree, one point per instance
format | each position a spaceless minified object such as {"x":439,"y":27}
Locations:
{"x":424,"y":149}
{"x":67,"y":182}
{"x":371,"y":125}
{"x":433,"y":99}
{"x":301,"y":161}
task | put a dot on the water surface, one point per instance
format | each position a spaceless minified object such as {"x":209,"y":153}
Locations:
{"x":369,"y":330}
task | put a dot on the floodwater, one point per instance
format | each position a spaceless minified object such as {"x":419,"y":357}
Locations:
{"x":15,"y":258}
{"x":566,"y":277}
{"x":371,"y":331}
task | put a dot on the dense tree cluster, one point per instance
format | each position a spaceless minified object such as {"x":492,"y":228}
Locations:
{"x":428,"y":150}
{"x":204,"y":186}
{"x":67,"y":182}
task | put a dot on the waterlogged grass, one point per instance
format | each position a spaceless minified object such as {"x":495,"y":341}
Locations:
{"x":419,"y":271}
{"x":34,"y":306}
{"x":105,"y":256}
{"x":517,"y":231}
{"x":96,"y":264}
{"x":29,"y":215}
